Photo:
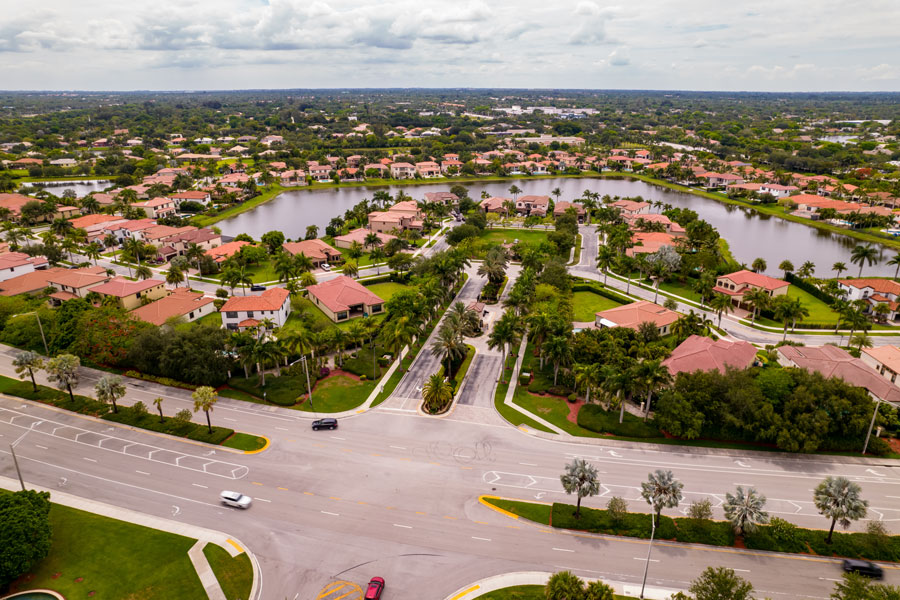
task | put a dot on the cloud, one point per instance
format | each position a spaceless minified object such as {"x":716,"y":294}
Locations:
{"x":592,"y":22}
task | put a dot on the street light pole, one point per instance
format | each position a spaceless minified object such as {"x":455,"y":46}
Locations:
{"x":43,"y":339}
{"x":12,"y":449}
{"x":308,"y":386}
{"x":871,"y":425}
{"x":649,"y":547}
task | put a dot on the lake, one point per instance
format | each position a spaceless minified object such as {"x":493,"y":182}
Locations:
{"x":749,"y":234}
{"x":81,"y":188}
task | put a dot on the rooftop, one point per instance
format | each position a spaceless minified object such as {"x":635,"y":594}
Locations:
{"x":342,"y":292}
{"x":632,"y":315}
{"x":177,"y":304}
{"x":832,"y":361}
{"x":699,"y":353}
{"x":122,"y":288}
{"x":271,"y":299}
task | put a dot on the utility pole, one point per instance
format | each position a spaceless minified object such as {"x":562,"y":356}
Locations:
{"x":308,"y":386}
{"x":12,"y":449}
{"x":871,"y":425}
{"x":650,"y":547}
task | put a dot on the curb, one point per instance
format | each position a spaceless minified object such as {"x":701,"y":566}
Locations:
{"x":517,"y":578}
{"x":264,"y":448}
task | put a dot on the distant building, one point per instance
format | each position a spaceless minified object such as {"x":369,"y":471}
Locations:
{"x":181,"y":303}
{"x":739,"y":283}
{"x":316,"y":250}
{"x":359,"y":235}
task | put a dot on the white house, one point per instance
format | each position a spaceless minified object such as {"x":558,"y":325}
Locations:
{"x":247,"y":312}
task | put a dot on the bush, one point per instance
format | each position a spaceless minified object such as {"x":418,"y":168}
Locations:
{"x":160,"y":380}
{"x":559,"y":390}
{"x":617,"y":509}
{"x":524,"y":379}
{"x":538,"y":386}
{"x":600,"y":521}
{"x":139,"y":408}
{"x":180,"y":425}
{"x":700,"y":509}
{"x":593,"y":418}
{"x":572,"y":398}
{"x":182,"y":416}
{"x":361,"y":364}
{"x":704,"y":531}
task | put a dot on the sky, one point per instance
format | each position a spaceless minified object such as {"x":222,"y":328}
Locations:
{"x":730,"y":45}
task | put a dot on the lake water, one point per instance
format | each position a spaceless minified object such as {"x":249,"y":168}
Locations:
{"x":749,"y":234}
{"x":81,"y":188}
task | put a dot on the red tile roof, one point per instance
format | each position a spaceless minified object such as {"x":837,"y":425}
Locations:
{"x":220,"y":253}
{"x":882,"y":286}
{"x":271,"y":299}
{"x":179,"y":303}
{"x":122,"y":288}
{"x":704,"y":354}
{"x":315,"y":249}
{"x":832,"y":361}
{"x":342,"y":292}
{"x":632,"y":315}
{"x":759,"y":280}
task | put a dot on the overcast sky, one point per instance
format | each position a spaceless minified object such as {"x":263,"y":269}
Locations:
{"x":772,"y":45}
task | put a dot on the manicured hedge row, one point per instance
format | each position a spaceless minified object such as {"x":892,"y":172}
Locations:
{"x":808,"y":287}
{"x":602,"y":291}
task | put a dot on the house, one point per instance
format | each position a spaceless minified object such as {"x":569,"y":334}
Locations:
{"x":631,"y":207}
{"x":533,"y":205}
{"x":270,"y":140}
{"x":403,"y":215}
{"x":319,"y":172}
{"x":159,"y":235}
{"x":561,"y":207}
{"x":874,"y":292}
{"x":181,"y":303}
{"x":637,"y":221}
{"x":451,"y":166}
{"x":15,"y":202}
{"x":739,"y":283}
{"x":777,"y":190}
{"x":383,"y":170}
{"x":832,"y":361}
{"x":343,"y":298}
{"x":494,"y":204}
{"x":650,"y":242}
{"x":359,"y":235}
{"x":207,"y":239}
{"x":132,"y":294}
{"x":884,"y":359}
{"x":402,"y":170}
{"x":13,"y":264}
{"x":131,"y":229}
{"x":222,"y":253}
{"x":441,"y":198}
{"x":717,"y":180}
{"x":37,"y":281}
{"x":292,"y":178}
{"x":632,"y":315}
{"x":316,"y":250}
{"x":157,"y":207}
{"x":428,"y":169}
{"x":75,"y":283}
{"x":198,"y":196}
{"x":247,"y":312}
{"x":698,"y":353}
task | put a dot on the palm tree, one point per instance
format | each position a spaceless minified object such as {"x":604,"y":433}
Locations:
{"x":758,"y":299}
{"x":704,"y":285}
{"x":61,"y":226}
{"x":143,"y":272}
{"x":135,"y":248}
{"x":195,"y":252}
{"x":63,"y":370}
{"x":556,"y":192}
{"x":606,"y":258}
{"x":806,"y":269}
{"x":371,"y":241}
{"x":838,"y":499}
{"x":759,"y":264}
{"x":448,"y":346}
{"x":307,"y":279}
{"x":158,"y":402}
{"x":397,"y":333}
{"x":895,"y":261}
{"x":540,"y":324}
{"x":436,"y":393}
{"x":652,"y":375}
{"x":204,"y":399}
{"x":786,"y":266}
{"x":721,"y":303}
{"x":580,"y":479}
{"x":507,"y":332}
{"x":588,"y":376}
{"x":284,"y":266}
{"x":376,"y":256}
{"x":855,"y":319}
{"x":263,"y":352}
{"x":839,"y":268}
{"x":28,"y":362}
{"x":174,"y":276}
{"x":559,"y":352}
{"x":302,"y":263}
{"x":789,"y":310}
{"x":350,"y":269}
{"x":745,"y":510}
{"x":110,"y":388}
{"x":92,"y":251}
{"x":661,"y":490}
{"x":860,"y":340}
{"x":514,"y":190}
{"x":862,"y":255}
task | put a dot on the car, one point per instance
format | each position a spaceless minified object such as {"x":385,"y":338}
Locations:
{"x":257,"y":288}
{"x":329,"y":423}
{"x":374,"y":589}
{"x":235,"y":499}
{"x":863,"y":567}
{"x":326,"y":267}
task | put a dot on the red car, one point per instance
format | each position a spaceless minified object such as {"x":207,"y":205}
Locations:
{"x":374,"y":589}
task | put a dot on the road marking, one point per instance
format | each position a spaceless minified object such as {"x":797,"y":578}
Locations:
{"x":480,"y":522}
{"x":466,"y":592}
{"x":334,"y":437}
{"x":255,"y":483}
{"x":450,"y":518}
{"x":512,"y":527}
{"x":466,"y":468}
{"x":346,"y":450}
{"x":41,"y":447}
{"x":142,"y":472}
{"x":482,"y":539}
{"x":282,"y":428}
{"x":827,"y":579}
{"x":419,"y":512}
{"x":308,"y":494}
{"x":403,"y":526}
{"x":898,"y":497}
{"x":264,"y":500}
{"x":563,"y":550}
{"x":746,"y":484}
{"x":363,"y":503}
{"x":283,"y":489}
{"x":90,"y":459}
{"x":528,"y":464}
{"x":325,"y":512}
{"x":227,"y":419}
{"x":373,"y":454}
{"x":333,"y":498}
{"x":742,"y":570}
{"x":644,"y":559}
{"x":200,"y":486}
{"x":398,"y":447}
{"x":435,"y":464}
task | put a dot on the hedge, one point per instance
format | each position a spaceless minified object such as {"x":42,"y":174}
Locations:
{"x":602,"y":291}
{"x":809,"y":288}
{"x":593,"y":418}
{"x":283,"y":391}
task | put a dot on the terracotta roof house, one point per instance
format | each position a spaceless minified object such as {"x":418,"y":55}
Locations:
{"x":221,"y":253}
{"x":441,"y":198}
{"x":13,"y":264}
{"x":448,"y":165}
{"x":131,"y":294}
{"x":37,"y":281}
{"x":832,"y":361}
{"x":316,"y":250}
{"x":403,"y":215}
{"x":650,"y":242}
{"x":402,"y":170}
{"x":631,"y":207}
{"x":494,"y":204}
{"x":740,"y":282}
{"x":192,"y":196}
{"x":634,"y":222}
{"x":343,"y":298}
{"x":161,"y":234}
{"x":129,"y":229}
{"x":359,"y":235}
{"x":74,"y":283}
{"x":15,"y":202}
{"x":632,"y":315}
{"x":247,"y":312}
{"x":92,"y":221}
{"x":699,"y":353}
{"x":884,"y":359}
{"x":319,"y":172}
{"x":428,"y":169}
{"x":181,"y":303}
{"x":533,"y":205}
{"x":157,"y":207}
{"x":562,"y":206}
{"x":874,"y":292}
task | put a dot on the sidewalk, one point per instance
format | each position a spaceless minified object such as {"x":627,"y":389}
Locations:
{"x":201,"y":534}
{"x":489,"y":584}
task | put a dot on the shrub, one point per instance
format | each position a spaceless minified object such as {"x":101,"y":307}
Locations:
{"x":559,"y":390}
{"x":324,"y":372}
{"x":593,"y":418}
{"x":183,"y":416}
{"x":362,"y":377}
{"x":139,"y":408}
{"x":573,"y":398}
{"x":538,"y":386}
{"x":700,"y":509}
{"x":704,"y":531}
{"x":617,"y":508}
{"x":524,"y":378}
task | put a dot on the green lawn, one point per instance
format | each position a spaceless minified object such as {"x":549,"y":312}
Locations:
{"x":337,"y":394}
{"x":502,"y":236}
{"x":518,"y":592}
{"x":508,"y":412}
{"x":552,"y":409}
{"x":387,"y":289}
{"x":245,"y":441}
{"x":264,"y":272}
{"x":819,"y":312}
{"x":211,"y":319}
{"x":585,"y":304}
{"x":235,"y":574}
{"x":114,"y":559}
{"x":320,"y":320}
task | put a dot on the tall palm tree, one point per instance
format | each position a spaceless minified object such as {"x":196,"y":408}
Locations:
{"x":895,"y":261}
{"x":448,"y":346}
{"x":721,"y":303}
{"x":302,"y":263}
{"x":606,"y":258}
{"x":559,"y":351}
{"x":661,"y":490}
{"x":862,"y":255}
{"x":556,"y":192}
{"x":507,"y":331}
{"x":745,"y":509}
{"x":204,"y":398}
{"x":350,"y":269}
{"x":143,"y":272}
{"x":806,"y":270}
{"x":158,"y":402}
{"x":789,"y":310}
{"x":28,"y":362}
{"x":759,"y":265}
{"x":786,"y":266}
{"x":376,"y":256}
{"x":581,"y":479}
{"x":838,"y":498}
{"x":92,"y":251}
{"x":704,"y":285}
{"x":174,"y":276}
{"x":652,"y":375}
{"x":284,"y":266}
{"x":860,"y":340}
{"x":758,"y":299}
{"x":514,"y":190}
{"x":839,"y":268}
{"x":540,"y":325}
{"x":264,"y":352}
{"x":109,"y":389}
{"x":371,"y":240}
{"x":195,"y":253}
{"x":436,"y":393}
{"x":587,"y":375}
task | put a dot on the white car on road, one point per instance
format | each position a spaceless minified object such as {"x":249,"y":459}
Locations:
{"x":235,"y":499}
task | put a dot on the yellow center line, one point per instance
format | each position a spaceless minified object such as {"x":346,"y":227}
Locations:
{"x":347,"y":594}
{"x":283,"y":489}
{"x":346,"y":450}
{"x":389,"y":507}
{"x":451,"y":518}
{"x":374,"y":454}
{"x":255,"y":483}
{"x":466,"y":468}
{"x":363,"y":503}
{"x":333,"y":498}
{"x":318,"y":445}
{"x":435,"y":464}
{"x":512,"y":527}
{"x":465,"y":592}
{"x":308,"y":494}
{"x":480,"y":522}
{"x":419,"y":512}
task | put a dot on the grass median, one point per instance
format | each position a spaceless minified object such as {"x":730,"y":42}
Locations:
{"x":235,"y":574}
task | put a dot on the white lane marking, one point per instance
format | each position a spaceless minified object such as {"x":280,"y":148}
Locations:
{"x":563,"y":550}
{"x":325,"y":512}
{"x":482,"y":539}
{"x":227,"y":419}
{"x":528,"y":464}
{"x":827,"y":579}
{"x":742,"y":570}
{"x":403,"y":526}
{"x":142,"y":472}
{"x":898,"y":497}
{"x":398,"y":447}
{"x":205,"y":487}
{"x":334,"y":437}
{"x":644,"y":559}
{"x":282,"y":428}
{"x":746,"y":484}
{"x":41,"y":447}
{"x":263,"y":500}
{"x":90,"y":459}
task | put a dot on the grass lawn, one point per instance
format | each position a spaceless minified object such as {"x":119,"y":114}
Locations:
{"x":387,"y":289}
{"x":502,"y":236}
{"x":517,"y":592}
{"x":338,"y":393}
{"x":211,"y":319}
{"x":533,"y":511}
{"x":819,"y":312}
{"x":585,"y":304}
{"x":320,"y":320}
{"x":147,"y":563}
{"x":261,"y":273}
{"x":245,"y":441}
{"x":508,"y":412}
{"x":552,"y":409}
{"x":235,"y":574}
